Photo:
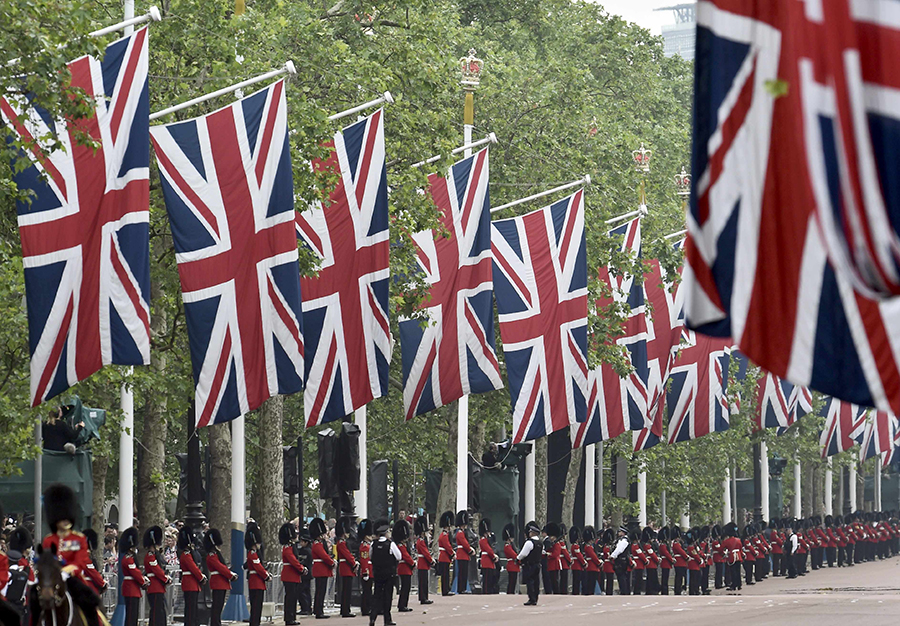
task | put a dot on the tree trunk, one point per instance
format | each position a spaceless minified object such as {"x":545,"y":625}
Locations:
{"x":572,"y":475}
{"x":270,"y":472}
{"x":99,"y":470}
{"x":540,"y":480}
{"x":476,"y":440}
{"x":218,"y":508}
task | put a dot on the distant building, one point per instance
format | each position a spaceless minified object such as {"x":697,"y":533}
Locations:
{"x":680,"y":37}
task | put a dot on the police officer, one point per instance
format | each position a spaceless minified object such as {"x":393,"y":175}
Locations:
{"x":620,"y":556}
{"x":191,"y":576}
{"x":529,"y":558}
{"x":156,"y":576}
{"x":385,"y":556}
{"x":291,"y":571}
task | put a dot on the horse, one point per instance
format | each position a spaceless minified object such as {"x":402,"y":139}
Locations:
{"x":51,"y":602}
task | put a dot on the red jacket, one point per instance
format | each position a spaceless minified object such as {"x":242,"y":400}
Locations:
{"x":590,"y":556}
{"x":577,"y":559}
{"x":322,"y":561}
{"x":132,"y":579}
{"x":71,"y":550}
{"x":666,"y":559}
{"x":681,"y":557}
{"x":640,"y":560}
{"x":220,"y":576}
{"x":346,"y":562}
{"x":445,"y":549}
{"x":608,"y":566}
{"x":732,"y":550}
{"x":696,"y":558}
{"x":292,"y":568}
{"x":564,"y":557}
{"x":510,"y":553}
{"x":652,"y":556}
{"x":777,"y":543}
{"x":4,"y":570}
{"x":553,"y":558}
{"x":424,"y":559}
{"x":257,"y":575}
{"x":24,"y":563}
{"x":405,"y":565}
{"x":191,"y":576}
{"x":718,"y":552}
{"x":365,"y":560}
{"x":488,"y":557}
{"x":463,"y":549}
{"x":155,"y":573}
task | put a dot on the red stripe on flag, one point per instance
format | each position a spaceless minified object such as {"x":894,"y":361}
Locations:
{"x":327,"y":375}
{"x":133,"y":295}
{"x":283,"y":313}
{"x":262,"y":150}
{"x":53,"y":360}
{"x":127,"y":81}
{"x":185,"y":188}
{"x":39,"y":155}
{"x":529,"y":408}
{"x":218,"y":380}
{"x":420,"y":387}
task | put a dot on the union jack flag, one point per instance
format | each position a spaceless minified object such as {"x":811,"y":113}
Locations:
{"x":893,"y":455}
{"x":607,"y":403}
{"x":800,"y":402}
{"x":774,"y":408}
{"x":795,"y":127}
{"x":844,"y":426}
{"x":878,"y":437}
{"x":345,"y":307}
{"x":699,"y":381}
{"x":454,"y":355}
{"x":228,"y":186}
{"x":85,"y":234}
{"x":540,"y":275}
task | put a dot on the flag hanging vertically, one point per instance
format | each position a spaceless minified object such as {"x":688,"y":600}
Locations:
{"x":878,"y":434}
{"x":606,"y":408}
{"x":800,"y":402}
{"x":454,"y":354}
{"x":85,"y":234}
{"x":793,"y":146}
{"x":696,"y":400}
{"x":844,"y":426}
{"x":345,"y":307}
{"x":228,"y":186}
{"x":774,"y":408}
{"x":540,"y":275}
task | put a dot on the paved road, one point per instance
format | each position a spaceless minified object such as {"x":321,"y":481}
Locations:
{"x":865,"y":595}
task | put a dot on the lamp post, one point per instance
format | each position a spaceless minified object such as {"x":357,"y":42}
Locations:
{"x":642,"y":158}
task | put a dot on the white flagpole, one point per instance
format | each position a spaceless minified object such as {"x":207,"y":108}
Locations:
{"x":236,"y":607}
{"x":130,"y":22}
{"x":829,"y":489}
{"x":575,"y":183}
{"x":362,"y":496}
{"x":590,"y":454}
{"x":640,"y":211}
{"x":853,"y":487}
{"x":674,"y":235}
{"x":726,"y":497}
{"x":764,"y":478}
{"x":797,"y":508}
{"x":529,"y":485}
{"x":642,"y":497}
{"x":287,"y":68}
{"x":467,"y":148}
{"x":386,"y":97}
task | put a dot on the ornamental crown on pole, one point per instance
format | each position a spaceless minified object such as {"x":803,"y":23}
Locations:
{"x":471,"y":67}
{"x":683,"y":183}
{"x":642,"y":158}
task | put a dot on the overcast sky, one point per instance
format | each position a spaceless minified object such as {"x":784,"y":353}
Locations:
{"x":641,"y":12}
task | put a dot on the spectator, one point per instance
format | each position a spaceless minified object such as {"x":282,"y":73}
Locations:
{"x":170,"y":553}
{"x":489,"y":458}
{"x":57,"y":435}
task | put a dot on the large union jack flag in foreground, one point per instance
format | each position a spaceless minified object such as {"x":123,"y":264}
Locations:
{"x":845,"y":424}
{"x":540,"y":275}
{"x":454,"y":355}
{"x":696,"y":399}
{"x":345,"y":307}
{"x":878,"y":437}
{"x":793,"y":218}
{"x":228,"y":188}
{"x":85,"y":235}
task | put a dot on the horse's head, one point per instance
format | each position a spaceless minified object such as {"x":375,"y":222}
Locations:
{"x":51,"y":587}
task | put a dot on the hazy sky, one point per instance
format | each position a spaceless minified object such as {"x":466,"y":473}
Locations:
{"x":641,"y":12}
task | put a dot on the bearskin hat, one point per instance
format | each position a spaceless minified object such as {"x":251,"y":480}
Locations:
{"x":286,"y":534}
{"x":420,"y":526}
{"x":608,"y":536}
{"x":532,"y":527}
{"x":562,"y":531}
{"x":829,"y":521}
{"x":552,"y":529}
{"x":381,"y":526}
{"x":574,"y":534}
{"x":484,"y":527}
{"x":646,"y":535}
{"x":400,"y":532}
{"x":364,"y":528}
{"x":509,"y":532}
{"x":462,"y":518}
{"x":675,"y":531}
{"x":91,"y":535}
{"x":212,"y":540}
{"x":153,"y":537}
{"x":343,"y":527}
{"x":185,"y":538}
{"x":252,"y":536}
{"x":716,"y":532}
{"x":588,"y":533}
{"x":128,"y":540}
{"x":446,"y":519}
{"x":663,"y":533}
{"x":317,"y":527}
{"x":20,"y":540}
{"x":60,"y":505}
{"x":730,"y":529}
{"x":704,"y":533}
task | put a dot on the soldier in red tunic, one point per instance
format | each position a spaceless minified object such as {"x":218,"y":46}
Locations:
{"x":156,"y":576}
{"x":191,"y":577}
{"x":366,"y":534}
{"x":400,"y":535}
{"x":323,"y":565}
{"x":565,"y":561}
{"x":487,"y":560}
{"x":651,"y":553}
{"x":291,"y":571}
{"x":464,"y":552}
{"x":61,"y":508}
{"x":133,"y":581}
{"x":257,"y":575}
{"x":666,"y":560}
{"x":445,"y":553}
{"x":733,"y":551}
{"x":91,"y":574}
{"x":592,"y":562}
{"x":511,"y":552}
{"x":577,"y":559}
{"x":424,"y":560}
{"x":220,"y":576}
{"x":347,"y":566}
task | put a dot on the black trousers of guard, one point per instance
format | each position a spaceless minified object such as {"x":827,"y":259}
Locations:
{"x":462,"y":577}
{"x":218,"y":603}
{"x":664,"y":583}
{"x":132,"y":608}
{"x":564,"y":581}
{"x":576,"y":581}
{"x":191,"y":616}
{"x":423,"y":585}
{"x":637,"y":581}
{"x":719,"y":575}
{"x":512,"y":582}
{"x":365,"y":595}
{"x":735,"y":576}
{"x":652,"y":583}
{"x":382,"y":600}
{"x":291,"y":594}
{"x":319,"y":602}
{"x":680,"y":574}
{"x":157,"y":603}
{"x":306,"y":596}
{"x":704,"y":579}
{"x":444,"y":574}
{"x":748,"y":572}
{"x":346,"y":593}
{"x":256,"y":601}
{"x":608,"y":586}
{"x":624,"y":582}
{"x":553,"y":577}
{"x":776,"y":564}
{"x":531,"y":574}
{"x":694,"y":583}
{"x":405,"y":586}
